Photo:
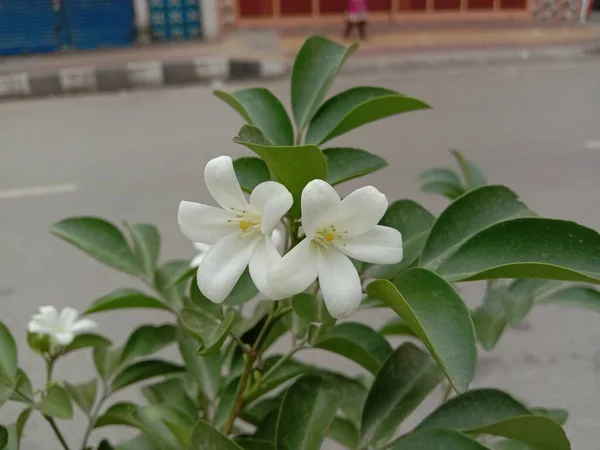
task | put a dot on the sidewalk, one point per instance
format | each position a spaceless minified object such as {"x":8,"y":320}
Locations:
{"x":264,"y":54}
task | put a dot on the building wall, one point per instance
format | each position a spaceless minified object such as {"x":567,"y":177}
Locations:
{"x":557,"y":10}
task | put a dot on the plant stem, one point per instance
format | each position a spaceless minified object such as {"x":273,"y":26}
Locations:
{"x":94,"y":415}
{"x":254,"y":354}
{"x":49,"y":370}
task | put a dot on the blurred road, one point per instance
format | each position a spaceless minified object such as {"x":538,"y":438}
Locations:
{"x":532,"y":126}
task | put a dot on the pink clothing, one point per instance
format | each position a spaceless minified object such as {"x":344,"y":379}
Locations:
{"x":357,"y":6}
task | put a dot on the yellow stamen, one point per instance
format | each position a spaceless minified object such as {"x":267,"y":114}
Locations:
{"x":244,"y":225}
{"x":329,"y":237}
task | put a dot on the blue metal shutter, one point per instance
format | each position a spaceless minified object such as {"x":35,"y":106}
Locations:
{"x":27,"y":26}
{"x":100,"y":23}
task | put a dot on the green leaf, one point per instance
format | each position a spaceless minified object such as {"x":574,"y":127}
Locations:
{"x":426,"y":301}
{"x":205,"y":370}
{"x":24,"y":387}
{"x":405,"y":379}
{"x":396,"y":327}
{"x":316,"y":65}
{"x":39,"y":343}
{"x":467,"y":216}
{"x":357,"y":342}
{"x":527,"y":248}
{"x":125,"y":298}
{"x":473,"y":176}
{"x":441,"y":181}
{"x":99,"y":239}
{"x":346,"y":163}
{"x":171,"y":392}
{"x":83,"y":394}
{"x":414,"y":222}
{"x":8,"y":355}
{"x":307,"y":410}
{"x":208,"y":330}
{"x":266,"y":430}
{"x":310,"y":308}
{"x":475,"y":409}
{"x":106,"y":360}
{"x":356,"y":107}
{"x":580,"y":296}
{"x":3,"y":437}
{"x":259,"y":107}
{"x":250,"y":172}
{"x":6,"y":392}
{"x":15,"y":431}
{"x":243,"y":291}
{"x":292,"y":166}
{"x":146,"y":246}
{"x":226,"y":402}
{"x":143,"y":370}
{"x":56,"y":403}
{"x":288,"y":370}
{"x":206,"y":437}
{"x":490,"y":318}
{"x":169,"y":281}
{"x":436,"y":439}
{"x":559,"y":415}
{"x":199,"y":301}
{"x":86,"y":341}
{"x":254,"y":444}
{"x":344,"y":432}
{"x":146,"y":340}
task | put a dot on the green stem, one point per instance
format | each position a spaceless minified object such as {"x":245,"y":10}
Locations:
{"x":49,"y":370}
{"x":93,"y":416}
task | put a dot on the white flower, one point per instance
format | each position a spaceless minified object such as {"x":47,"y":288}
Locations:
{"x":239,"y":234}
{"x":277,"y":237}
{"x":62,"y":328}
{"x":336,"y":230}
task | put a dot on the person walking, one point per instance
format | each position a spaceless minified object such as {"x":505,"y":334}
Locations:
{"x":357,"y":16}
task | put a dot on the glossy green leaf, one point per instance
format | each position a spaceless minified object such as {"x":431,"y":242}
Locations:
{"x":267,"y":428}
{"x":39,"y":343}
{"x":3,"y":437}
{"x":259,"y":107}
{"x":8,"y":355}
{"x":208,"y":330}
{"x":580,"y":296}
{"x":307,"y":410}
{"x":344,"y":432}
{"x":316,"y":65}
{"x":88,"y":340}
{"x":490,"y":318}
{"x":357,"y":342}
{"x":472,"y":175}
{"x":250,"y":172}
{"x":508,"y":444}
{"x":125,"y":298}
{"x":146,"y":340}
{"x":292,"y":166}
{"x":425,"y":300}
{"x":15,"y":431}
{"x":396,"y":327}
{"x":254,"y":444}
{"x":559,"y":415}
{"x":441,"y":181}
{"x":475,"y":409}
{"x":226,"y":402}
{"x":346,"y":163}
{"x":310,"y":308}
{"x":466,"y":217}
{"x":146,"y":246}
{"x":6,"y":391}
{"x":356,"y":107}
{"x":205,"y":370}
{"x":437,"y":439}
{"x":144,"y":370}
{"x":99,"y":239}
{"x":414,"y":222}
{"x":56,"y":403}
{"x":530,"y":248}
{"x":106,"y":360}
{"x":24,"y":387}
{"x":407,"y":376}
{"x":243,"y":291}
{"x":355,"y":395}
{"x":83,"y":394}
{"x":206,"y":437}
{"x":173,"y":392}
{"x":287,"y":371}
{"x":167,"y":281}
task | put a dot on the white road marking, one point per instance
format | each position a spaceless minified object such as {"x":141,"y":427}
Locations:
{"x":592,"y":144}
{"x":38,"y":191}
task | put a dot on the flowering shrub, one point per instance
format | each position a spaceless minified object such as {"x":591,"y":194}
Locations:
{"x":295,"y":259}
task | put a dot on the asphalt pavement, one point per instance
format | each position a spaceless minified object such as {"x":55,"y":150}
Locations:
{"x":530,"y":125}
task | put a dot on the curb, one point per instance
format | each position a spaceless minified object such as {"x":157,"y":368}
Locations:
{"x":136,"y":75}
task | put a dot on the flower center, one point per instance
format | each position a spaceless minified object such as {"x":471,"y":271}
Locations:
{"x":325,"y":236}
{"x":247,"y":221}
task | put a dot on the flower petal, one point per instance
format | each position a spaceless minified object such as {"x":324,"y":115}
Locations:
{"x":321,"y":205}
{"x":68,"y":316}
{"x":202,"y":248}
{"x":223,"y":184}
{"x":362,"y":210}
{"x":83,"y":326}
{"x":223,"y":266}
{"x":36,"y":326}
{"x":197,"y":260}
{"x":48,"y":313}
{"x":278,"y":238}
{"x":63,"y":338}
{"x":380,"y":245}
{"x":263,"y":260}
{"x":274,"y":200}
{"x":340,"y":283}
{"x":296,"y":271}
{"x":203,"y":223}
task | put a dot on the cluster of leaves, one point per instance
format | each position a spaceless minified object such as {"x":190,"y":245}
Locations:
{"x":229,"y":395}
{"x":506,"y":302}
